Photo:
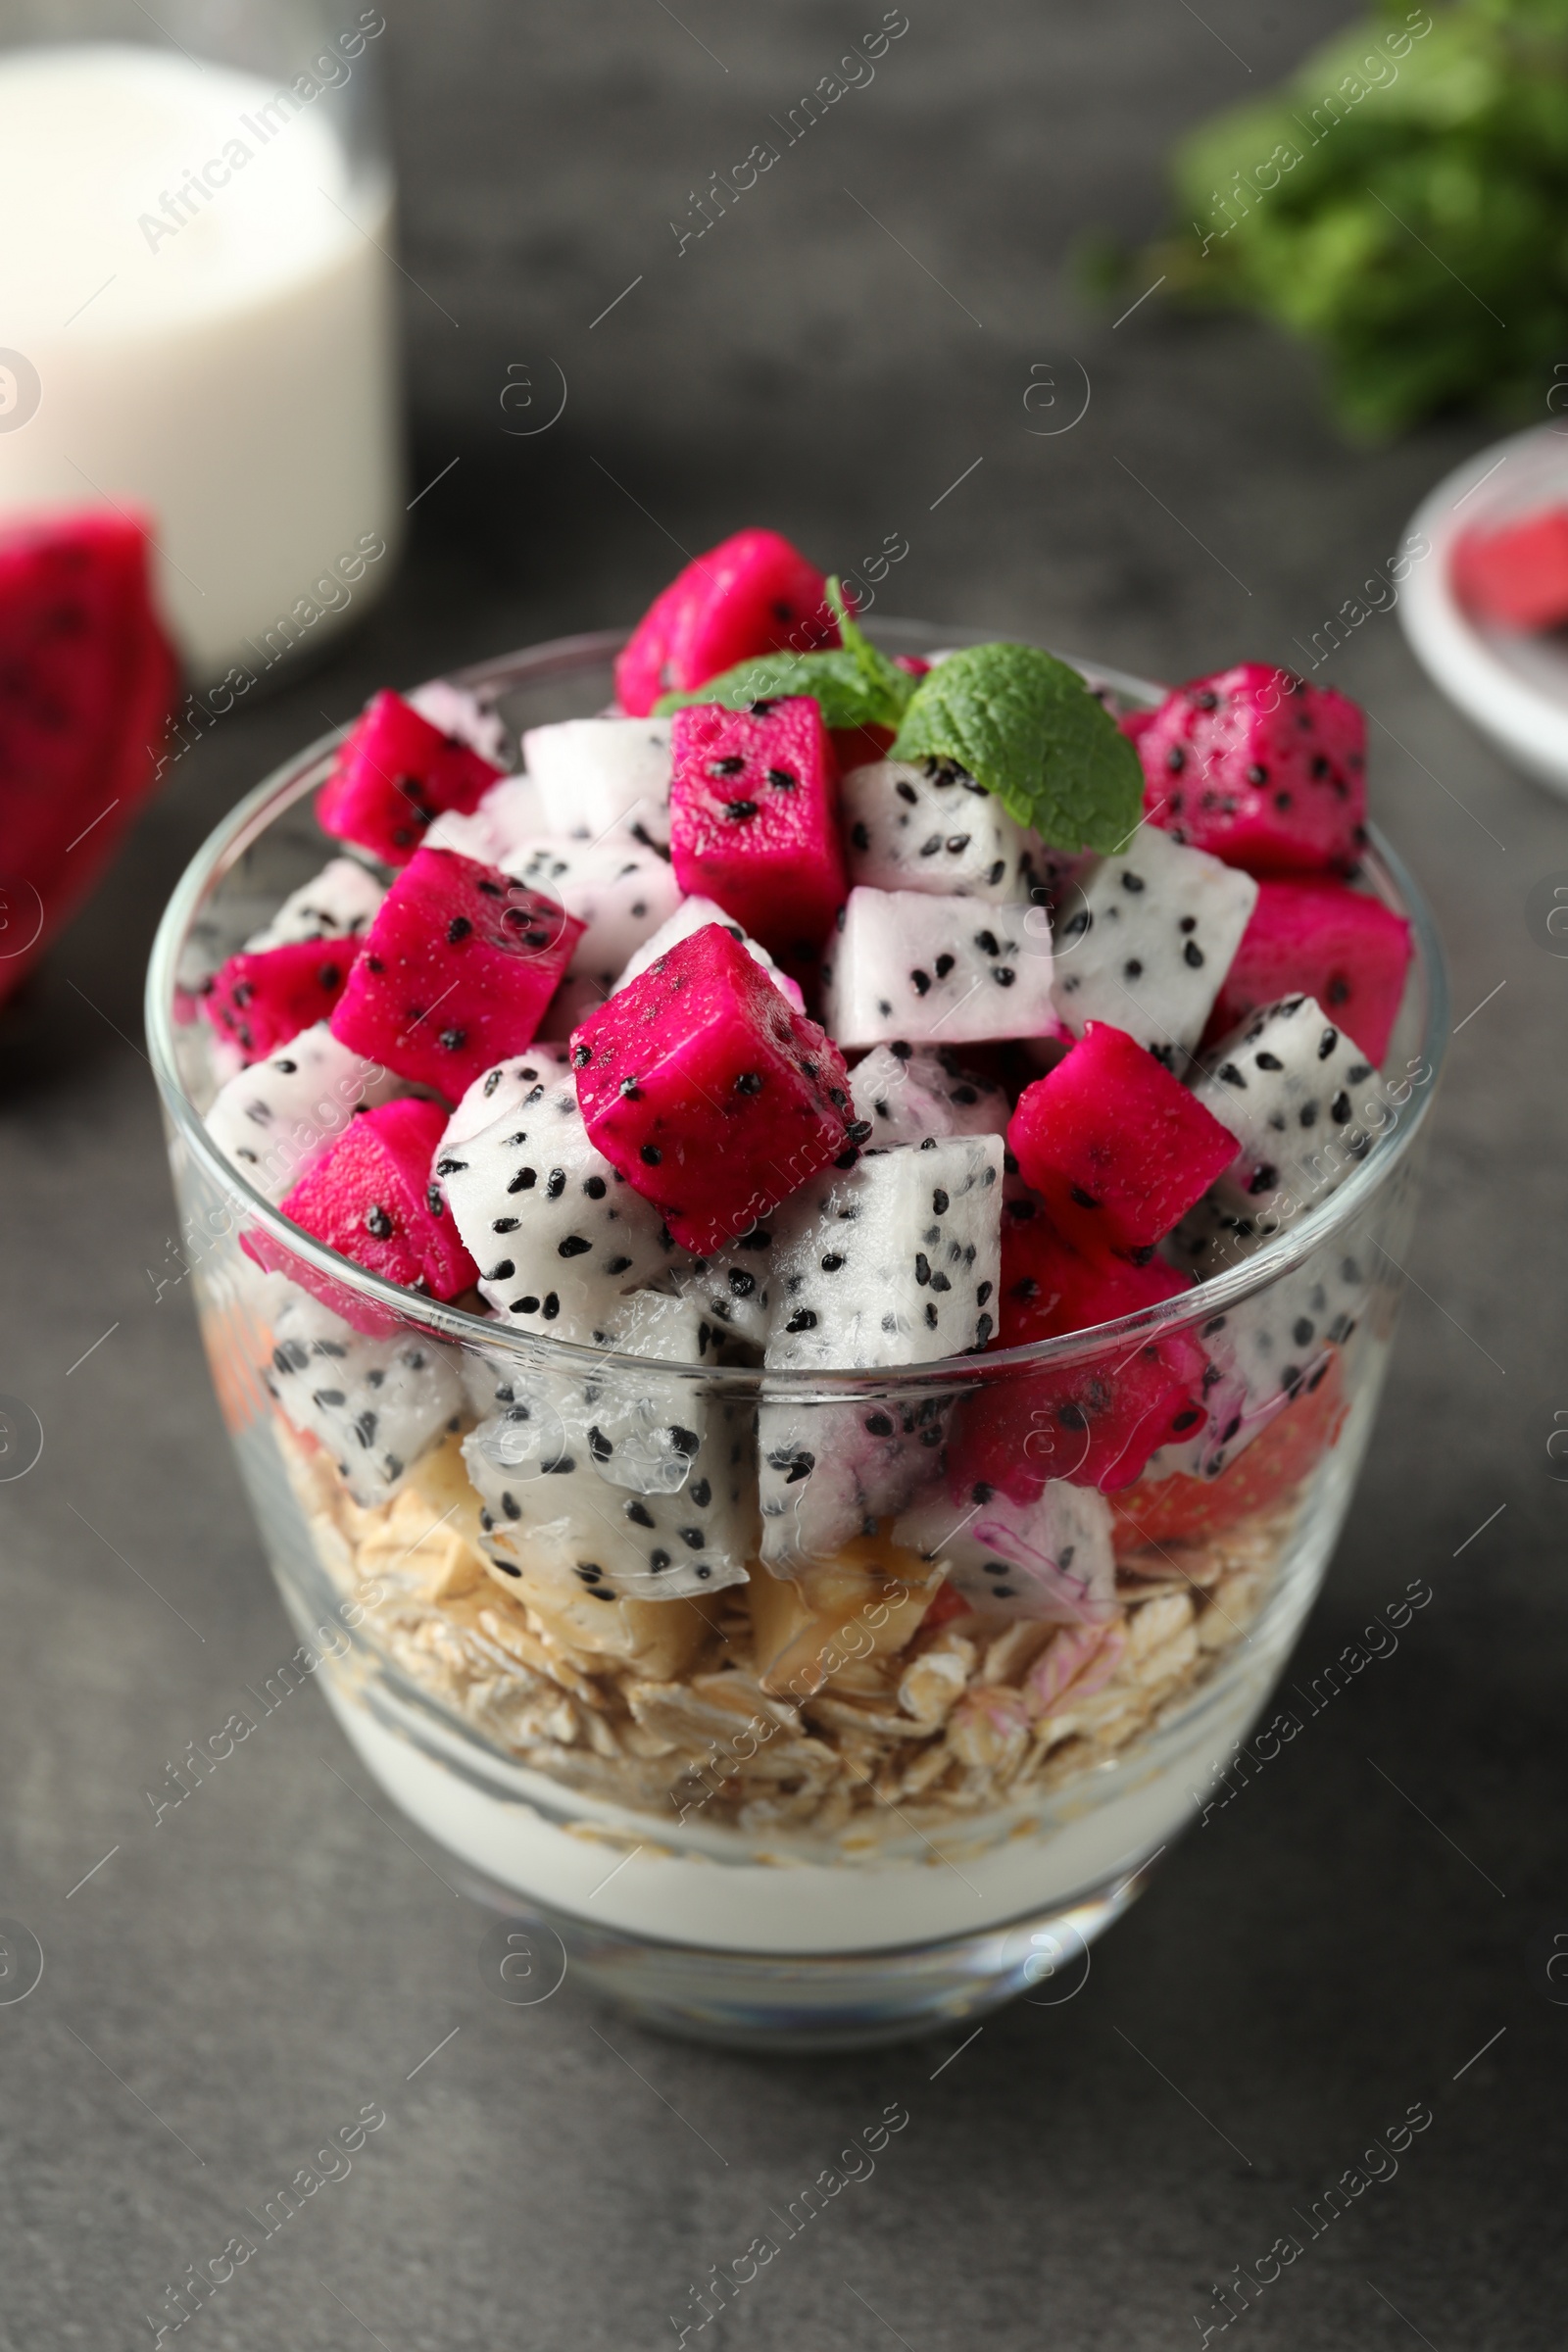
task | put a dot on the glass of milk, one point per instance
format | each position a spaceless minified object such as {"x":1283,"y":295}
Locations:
{"x":196,"y":312}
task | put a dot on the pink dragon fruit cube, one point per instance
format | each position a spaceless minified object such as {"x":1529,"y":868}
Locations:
{"x":1319,"y":939}
{"x":454,"y":972}
{"x":751,"y":594}
{"x":370,"y":1199}
{"x":395,"y":775}
{"x":1259,"y":768}
{"x":713,"y":1098}
{"x":754,"y":820}
{"x":260,"y":1001}
{"x":1118,"y":1150}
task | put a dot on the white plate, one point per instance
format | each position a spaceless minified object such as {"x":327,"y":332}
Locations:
{"x":1514,"y":687}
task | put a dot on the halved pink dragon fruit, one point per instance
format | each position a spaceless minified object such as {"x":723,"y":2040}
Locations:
{"x":713,"y":1099}
{"x":1118,"y":1150}
{"x":1321,"y":940}
{"x":751,"y":594}
{"x":1259,"y":768}
{"x":754,"y":820}
{"x":259,"y":1001}
{"x":455,"y":971}
{"x":370,"y":1199}
{"x":395,"y":773}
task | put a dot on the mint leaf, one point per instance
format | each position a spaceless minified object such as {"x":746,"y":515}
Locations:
{"x":1027,"y":727}
{"x":854,"y":684}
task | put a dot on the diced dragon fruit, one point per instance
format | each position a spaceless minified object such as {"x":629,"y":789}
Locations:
{"x":734,"y":1286}
{"x":1291,"y":1089}
{"x":394,"y":775}
{"x":369,"y":1197}
{"x":931,"y":827}
{"x":338,"y":903}
{"x":557,"y":1234}
{"x":259,"y":1001}
{"x":619,"y":892}
{"x":1516,"y":574}
{"x":691,"y":915}
{"x":1049,"y":1287}
{"x":829,"y":1472}
{"x":1322,"y":940}
{"x":1047,"y":1557}
{"x":713,"y":1099}
{"x":376,"y":1404}
{"x":1146,"y":939}
{"x":458,"y":712}
{"x":910,"y":1091}
{"x":754,"y":820}
{"x":1117,"y":1148}
{"x":1265,"y":1353}
{"x":1260,"y":768}
{"x":629,"y":1481}
{"x":751,"y":594}
{"x":455,"y":971}
{"x":925,"y":969}
{"x":276,"y":1119}
{"x":893,"y":1261}
{"x":595,"y":776}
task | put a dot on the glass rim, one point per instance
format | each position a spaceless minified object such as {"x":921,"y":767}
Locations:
{"x":302,"y":770}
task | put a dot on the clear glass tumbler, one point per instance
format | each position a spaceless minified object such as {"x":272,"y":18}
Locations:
{"x":196,"y":296}
{"x":830,"y":1809}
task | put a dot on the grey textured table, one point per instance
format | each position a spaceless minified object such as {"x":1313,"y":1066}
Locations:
{"x":228,"y":1988}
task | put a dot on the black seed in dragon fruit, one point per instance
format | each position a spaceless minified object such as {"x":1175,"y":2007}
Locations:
{"x":394,"y":775}
{"x":893,"y":1261}
{"x":910,"y":1091}
{"x":1303,"y":1103}
{"x":629,"y":1481}
{"x":455,"y":971}
{"x":595,"y":776}
{"x":692,"y":914}
{"x":557,"y":1234}
{"x":376,"y":1404}
{"x":338,"y":903}
{"x":931,"y":827}
{"x":1267,"y":1352}
{"x":623,"y":895}
{"x":1050,"y":1557}
{"x":1145,"y":941}
{"x":275,"y":1119}
{"x":946,"y":970}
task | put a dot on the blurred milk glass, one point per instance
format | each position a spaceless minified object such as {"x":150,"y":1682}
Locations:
{"x":196,"y":310}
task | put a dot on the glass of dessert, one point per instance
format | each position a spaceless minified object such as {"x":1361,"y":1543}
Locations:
{"x":798,"y":1230}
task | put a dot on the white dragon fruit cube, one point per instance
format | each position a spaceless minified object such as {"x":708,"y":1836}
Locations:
{"x":936,"y":970}
{"x":377,"y":1405}
{"x":692,"y":914}
{"x":623,"y":894}
{"x":1145,"y":940}
{"x":906,"y":1093}
{"x":1050,"y":1557}
{"x":338,"y":903}
{"x":630,"y":1482}
{"x":894,"y":1260}
{"x":1303,"y":1101}
{"x":277,"y":1117}
{"x":933,"y":828}
{"x":556,"y":1233}
{"x":596,"y":776}
{"x":829,"y":1471}
{"x":734,"y":1288}
{"x":509,"y":815}
{"x":458,"y":712}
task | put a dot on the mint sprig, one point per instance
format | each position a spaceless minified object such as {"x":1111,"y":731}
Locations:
{"x":1027,"y":727}
{"x":853,"y":683}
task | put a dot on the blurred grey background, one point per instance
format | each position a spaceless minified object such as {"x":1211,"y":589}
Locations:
{"x":853,"y":336}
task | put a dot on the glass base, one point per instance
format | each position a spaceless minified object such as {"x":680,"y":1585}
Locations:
{"x":797,"y":2003}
